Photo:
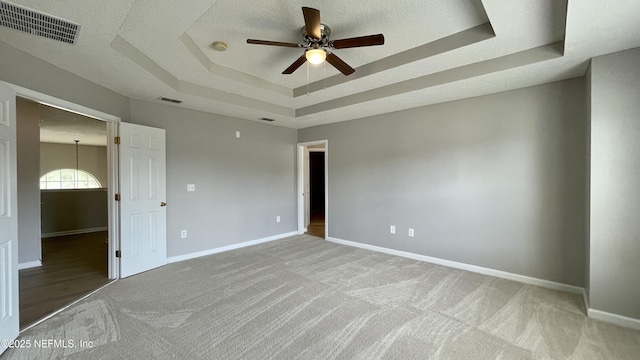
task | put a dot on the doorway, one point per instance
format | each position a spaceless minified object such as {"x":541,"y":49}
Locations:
{"x":145,"y":145}
{"x":313,"y":183}
{"x":65,"y":253}
{"x":315,"y":226}
{"x":112,"y":160}
{"x":64,"y":156}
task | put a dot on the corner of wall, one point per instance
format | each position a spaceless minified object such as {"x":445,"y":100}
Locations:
{"x":613,"y":87}
{"x":587,"y":269}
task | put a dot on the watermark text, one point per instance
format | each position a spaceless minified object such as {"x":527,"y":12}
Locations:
{"x":46,"y":343}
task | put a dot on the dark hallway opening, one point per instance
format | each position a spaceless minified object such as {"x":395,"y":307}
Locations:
{"x":317,"y":194}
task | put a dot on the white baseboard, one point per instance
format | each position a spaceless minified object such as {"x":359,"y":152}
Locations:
{"x":75,"y":232}
{"x":29,"y":265}
{"x":198,"y":254}
{"x":462,"y":266}
{"x":614,"y":318}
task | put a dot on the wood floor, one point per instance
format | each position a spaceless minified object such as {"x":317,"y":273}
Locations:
{"x":316,"y":224}
{"x":72,"y":266}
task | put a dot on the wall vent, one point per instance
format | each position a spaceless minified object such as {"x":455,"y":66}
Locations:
{"x":37,"y":23}
{"x":266,"y":119}
{"x":169,"y":100}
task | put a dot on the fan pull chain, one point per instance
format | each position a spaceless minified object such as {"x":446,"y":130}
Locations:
{"x":308,"y":79}
{"x":324,"y":75}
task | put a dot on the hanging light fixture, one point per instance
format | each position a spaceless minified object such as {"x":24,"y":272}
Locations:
{"x":77,"y":168}
{"x":316,"y":56}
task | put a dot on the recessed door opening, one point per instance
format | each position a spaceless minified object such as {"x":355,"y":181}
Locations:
{"x":315,"y":223}
{"x":63,"y":187}
{"x":312,"y":183}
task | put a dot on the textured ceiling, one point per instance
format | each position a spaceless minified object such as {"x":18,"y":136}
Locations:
{"x":435,"y":51}
{"x":63,"y":127}
{"x":234,"y":22}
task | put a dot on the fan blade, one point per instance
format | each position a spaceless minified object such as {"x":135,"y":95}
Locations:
{"x":312,"y":22}
{"x":369,"y":40}
{"x":296,"y":64}
{"x":339,"y":64}
{"x":273,"y":43}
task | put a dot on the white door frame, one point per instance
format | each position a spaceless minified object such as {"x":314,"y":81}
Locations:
{"x":9,"y":278}
{"x":112,"y":163}
{"x":302,"y":150}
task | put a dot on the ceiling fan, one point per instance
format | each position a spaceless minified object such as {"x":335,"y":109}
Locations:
{"x":317,"y":43}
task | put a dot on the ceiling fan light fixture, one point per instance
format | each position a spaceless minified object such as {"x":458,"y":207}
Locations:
{"x":219,"y":45}
{"x":316,"y":40}
{"x":316,"y":56}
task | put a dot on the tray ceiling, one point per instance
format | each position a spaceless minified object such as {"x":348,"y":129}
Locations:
{"x":435,"y":51}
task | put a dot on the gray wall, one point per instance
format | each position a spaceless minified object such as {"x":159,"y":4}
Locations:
{"x":73,"y":210}
{"x":241,"y":184}
{"x":79,"y":209}
{"x":615,"y":179}
{"x":92,"y":159}
{"x":22,"y":69}
{"x":496,"y":181}
{"x":28,"y":141}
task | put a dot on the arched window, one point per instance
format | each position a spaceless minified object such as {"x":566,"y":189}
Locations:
{"x":68,"y":179}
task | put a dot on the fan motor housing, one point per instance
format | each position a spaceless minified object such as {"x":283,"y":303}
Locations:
{"x":325,"y":31}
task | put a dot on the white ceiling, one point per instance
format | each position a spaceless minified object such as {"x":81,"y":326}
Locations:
{"x":435,"y":51}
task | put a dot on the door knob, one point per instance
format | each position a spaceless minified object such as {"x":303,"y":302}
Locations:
{"x":163,"y":204}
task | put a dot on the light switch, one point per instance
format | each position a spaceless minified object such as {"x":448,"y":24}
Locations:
{"x":237,"y":134}
{"x":191,"y":187}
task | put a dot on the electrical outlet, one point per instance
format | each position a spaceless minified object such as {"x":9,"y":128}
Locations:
{"x":237,"y":134}
{"x":183,"y":234}
{"x":392,"y":229}
{"x":411,"y":233}
{"x":277,"y":218}
{"x":191,"y":187}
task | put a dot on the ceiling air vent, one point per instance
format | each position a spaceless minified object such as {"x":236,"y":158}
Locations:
{"x":266,"y":119}
{"x":37,"y":23}
{"x":169,"y":100}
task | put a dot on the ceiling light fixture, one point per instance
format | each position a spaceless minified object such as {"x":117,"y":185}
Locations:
{"x":316,"y":56}
{"x":169,"y":100}
{"x":219,"y":45}
{"x":77,"y":167}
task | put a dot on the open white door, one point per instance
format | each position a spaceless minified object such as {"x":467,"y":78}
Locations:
{"x":143,"y":215}
{"x":9,"y":323}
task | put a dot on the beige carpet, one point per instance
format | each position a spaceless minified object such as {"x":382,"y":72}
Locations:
{"x":305,"y":298}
